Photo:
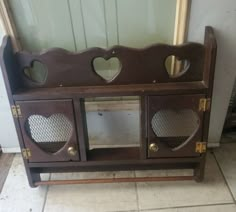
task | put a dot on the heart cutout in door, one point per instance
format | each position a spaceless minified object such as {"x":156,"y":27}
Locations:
{"x":37,"y":72}
{"x":176,"y":67}
{"x":175,"y":127}
{"x":49,"y":133}
{"x":107,"y":69}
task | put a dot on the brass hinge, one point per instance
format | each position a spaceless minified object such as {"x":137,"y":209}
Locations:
{"x":201,"y":147}
{"x":16,"y":111}
{"x":26,"y":153}
{"x":204,"y":104}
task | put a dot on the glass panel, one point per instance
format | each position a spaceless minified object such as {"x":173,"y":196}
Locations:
{"x":49,"y":133}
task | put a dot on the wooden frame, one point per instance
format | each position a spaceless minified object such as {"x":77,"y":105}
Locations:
{"x":8,"y":24}
{"x":181,"y":27}
{"x":73,"y":77}
{"x":181,"y":21}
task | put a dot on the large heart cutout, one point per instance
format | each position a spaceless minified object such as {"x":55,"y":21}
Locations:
{"x":107,"y":69}
{"x":176,"y":67}
{"x":37,"y":72}
{"x":175,"y":127}
{"x":51,"y":133}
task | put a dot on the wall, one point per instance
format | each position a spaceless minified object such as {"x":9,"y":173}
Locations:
{"x":80,"y":24}
{"x":8,"y":138}
{"x":222,"y":16}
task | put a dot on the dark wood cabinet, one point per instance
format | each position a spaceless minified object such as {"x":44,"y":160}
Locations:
{"x":50,"y":115}
{"x":174,"y":125}
{"x":48,"y":130}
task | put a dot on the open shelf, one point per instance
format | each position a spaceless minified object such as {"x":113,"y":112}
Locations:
{"x":111,"y":90}
{"x":106,"y":154}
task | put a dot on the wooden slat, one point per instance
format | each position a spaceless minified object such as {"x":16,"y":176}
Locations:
{"x":118,"y":164}
{"x":181,"y":19}
{"x":113,"y":180}
{"x":8,"y":24}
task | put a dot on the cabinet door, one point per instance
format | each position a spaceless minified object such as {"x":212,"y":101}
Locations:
{"x":48,"y":130}
{"x":174,"y":125}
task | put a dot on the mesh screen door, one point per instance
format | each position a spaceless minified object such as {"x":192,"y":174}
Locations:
{"x":174,"y":125}
{"x":48,"y":130}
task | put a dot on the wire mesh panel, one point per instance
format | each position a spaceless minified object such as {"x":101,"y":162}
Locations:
{"x":50,"y":133}
{"x":175,"y":123}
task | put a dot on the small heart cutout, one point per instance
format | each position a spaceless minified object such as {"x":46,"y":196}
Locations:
{"x":51,"y":133}
{"x":175,"y":67}
{"x":107,"y":69}
{"x":175,"y":127}
{"x":37,"y":72}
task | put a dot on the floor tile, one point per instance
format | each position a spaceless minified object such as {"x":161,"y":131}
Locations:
{"x":17,"y":195}
{"x":164,"y":173}
{"x":5,"y":165}
{"x":211,"y":208}
{"x":92,"y":197}
{"x":185,"y":193}
{"x":226,"y":157}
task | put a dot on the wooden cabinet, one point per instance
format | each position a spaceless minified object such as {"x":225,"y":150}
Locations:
{"x":48,"y":130}
{"x":175,"y":125}
{"x":50,"y":119}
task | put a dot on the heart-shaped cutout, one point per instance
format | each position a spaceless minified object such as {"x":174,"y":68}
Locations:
{"x":37,"y":72}
{"x":51,"y":133}
{"x":176,"y":67}
{"x":107,"y":69}
{"x":175,"y":127}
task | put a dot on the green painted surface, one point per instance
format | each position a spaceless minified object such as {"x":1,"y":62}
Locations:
{"x":142,"y":23}
{"x":43,"y":24}
{"x":79,"y":24}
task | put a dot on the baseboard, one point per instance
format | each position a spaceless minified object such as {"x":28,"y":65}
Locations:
{"x":213,"y":144}
{"x":11,"y":150}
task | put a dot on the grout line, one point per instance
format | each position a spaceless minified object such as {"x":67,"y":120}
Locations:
{"x":189,"y":206}
{"x":221,"y":171}
{"x":136,"y":191}
{"x":46,"y":195}
{"x":72,"y":26}
{"x":177,"y":207}
{"x":127,"y":211}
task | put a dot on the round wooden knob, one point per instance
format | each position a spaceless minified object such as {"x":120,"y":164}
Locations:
{"x":153,"y":147}
{"x":71,"y":151}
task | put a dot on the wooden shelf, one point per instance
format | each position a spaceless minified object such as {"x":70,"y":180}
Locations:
{"x":111,"y":90}
{"x":104,"y":154}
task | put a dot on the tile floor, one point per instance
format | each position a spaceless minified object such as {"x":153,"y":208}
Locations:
{"x":217,"y":193}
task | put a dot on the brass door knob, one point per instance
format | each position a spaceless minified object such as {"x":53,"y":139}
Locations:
{"x":71,"y":151}
{"x":153,"y":147}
